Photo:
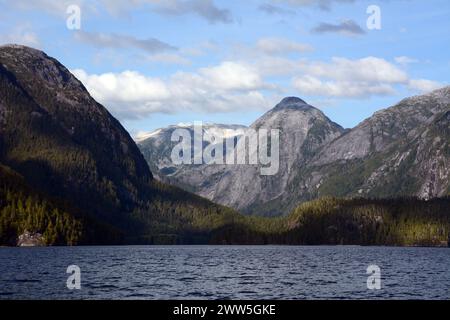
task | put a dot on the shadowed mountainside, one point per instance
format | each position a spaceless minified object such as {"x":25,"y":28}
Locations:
{"x":66,"y":145}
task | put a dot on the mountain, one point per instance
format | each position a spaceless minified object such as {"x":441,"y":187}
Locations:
{"x":157,"y":147}
{"x":51,"y":125}
{"x":68,"y":151}
{"x":399,"y":151}
{"x":70,"y":174}
{"x":304,"y":130}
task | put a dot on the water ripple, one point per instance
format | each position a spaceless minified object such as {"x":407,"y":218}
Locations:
{"x":224,"y":272}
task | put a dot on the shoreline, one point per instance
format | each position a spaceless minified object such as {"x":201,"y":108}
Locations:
{"x":232,"y":245}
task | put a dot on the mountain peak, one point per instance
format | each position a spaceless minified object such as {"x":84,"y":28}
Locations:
{"x":292,"y":100}
{"x":15,"y":46}
{"x":292,"y":103}
{"x":33,"y":65}
{"x":18,"y":47}
{"x":443,"y":92}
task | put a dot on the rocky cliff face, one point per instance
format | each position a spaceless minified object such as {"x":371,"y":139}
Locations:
{"x":157,"y":146}
{"x":399,"y":151}
{"x":29,"y":239}
{"x":388,"y":127}
{"x":304,"y":130}
{"x":396,"y":152}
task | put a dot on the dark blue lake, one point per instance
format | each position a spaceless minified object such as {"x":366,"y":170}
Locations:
{"x":224,"y":272}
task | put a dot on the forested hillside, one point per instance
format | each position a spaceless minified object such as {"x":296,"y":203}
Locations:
{"x":60,"y":141}
{"x":394,"y":222}
{"x":400,"y":222}
{"x":70,"y":172}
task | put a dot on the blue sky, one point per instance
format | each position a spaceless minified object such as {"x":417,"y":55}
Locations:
{"x":153,"y":63}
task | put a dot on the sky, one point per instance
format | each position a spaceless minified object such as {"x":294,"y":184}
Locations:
{"x":155,"y":63}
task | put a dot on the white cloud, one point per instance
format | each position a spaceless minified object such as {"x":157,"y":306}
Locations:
{"x":404,"y":60}
{"x":345,"y":78}
{"x":232,"y":76}
{"x":277,"y":66}
{"x":424,"y":85}
{"x":232,"y":85}
{"x":223,"y":88}
{"x":369,"y":69}
{"x":128,"y":89}
{"x":312,"y":86}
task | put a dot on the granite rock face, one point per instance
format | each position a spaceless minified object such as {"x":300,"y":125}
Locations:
{"x":399,"y":151}
{"x":29,"y":239}
{"x":304,"y":130}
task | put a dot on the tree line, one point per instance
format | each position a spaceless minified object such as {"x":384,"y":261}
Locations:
{"x":173,"y":216}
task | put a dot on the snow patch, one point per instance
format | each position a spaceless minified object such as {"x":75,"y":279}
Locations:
{"x":141,"y":136}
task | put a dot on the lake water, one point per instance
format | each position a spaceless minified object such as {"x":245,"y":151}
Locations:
{"x":224,"y":272}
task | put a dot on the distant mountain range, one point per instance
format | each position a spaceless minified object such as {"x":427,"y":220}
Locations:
{"x":400,"y":151}
{"x":70,"y":174}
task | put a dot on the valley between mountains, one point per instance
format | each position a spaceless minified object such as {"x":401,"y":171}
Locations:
{"x":70,"y":174}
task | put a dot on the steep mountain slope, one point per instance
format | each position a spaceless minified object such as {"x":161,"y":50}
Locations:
{"x":59,"y":138}
{"x":24,"y":209}
{"x":304,"y":130}
{"x":399,"y":151}
{"x":67,"y":146}
{"x":402,"y":150}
